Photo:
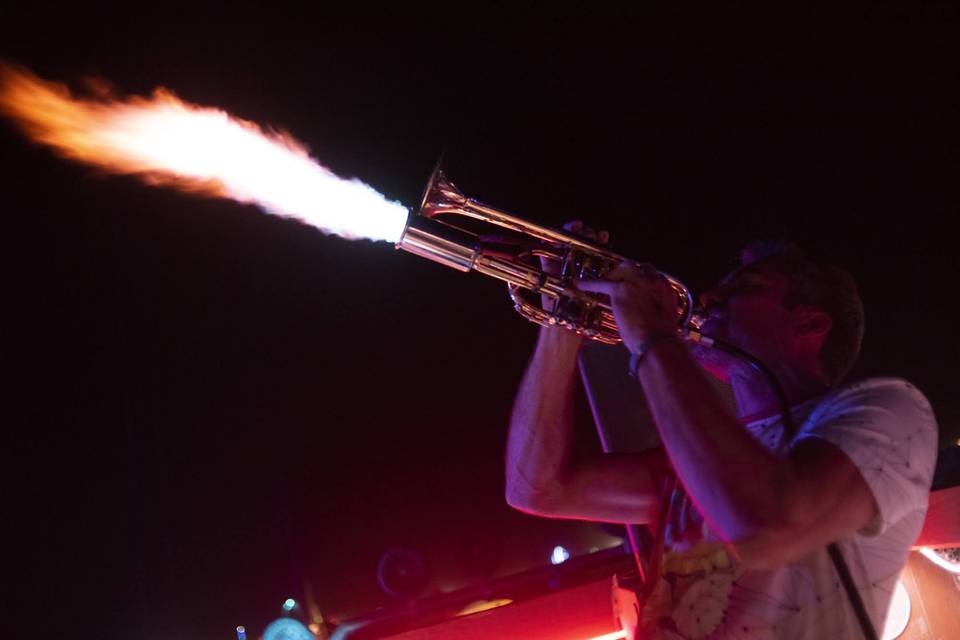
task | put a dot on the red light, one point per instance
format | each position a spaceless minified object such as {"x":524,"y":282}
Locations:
{"x":613,"y":635}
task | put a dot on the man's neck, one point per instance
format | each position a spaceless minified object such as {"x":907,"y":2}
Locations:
{"x":756,"y":399}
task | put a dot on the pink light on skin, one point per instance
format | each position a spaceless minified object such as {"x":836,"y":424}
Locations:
{"x":168,"y":142}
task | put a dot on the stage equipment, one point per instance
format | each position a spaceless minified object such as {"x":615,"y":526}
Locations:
{"x":441,"y":231}
{"x":588,"y":597}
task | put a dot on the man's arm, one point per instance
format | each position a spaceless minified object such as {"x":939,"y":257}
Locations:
{"x":774,"y":510}
{"x":543,"y":477}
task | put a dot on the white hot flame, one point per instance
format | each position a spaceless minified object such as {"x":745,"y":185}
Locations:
{"x":169,"y":142}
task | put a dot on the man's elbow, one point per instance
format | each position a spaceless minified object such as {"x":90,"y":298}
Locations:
{"x":537,"y":503}
{"x":522,"y":503}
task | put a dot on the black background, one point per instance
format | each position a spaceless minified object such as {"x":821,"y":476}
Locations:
{"x":211,"y":406}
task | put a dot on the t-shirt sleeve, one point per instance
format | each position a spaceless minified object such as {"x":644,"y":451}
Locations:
{"x":887,"y":428}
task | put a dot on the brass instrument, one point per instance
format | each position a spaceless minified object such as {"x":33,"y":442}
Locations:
{"x":433,"y":232}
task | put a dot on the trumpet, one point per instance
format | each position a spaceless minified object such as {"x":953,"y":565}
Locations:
{"x":448,"y":229}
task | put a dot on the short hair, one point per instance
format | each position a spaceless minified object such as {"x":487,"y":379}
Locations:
{"x":823,"y":286}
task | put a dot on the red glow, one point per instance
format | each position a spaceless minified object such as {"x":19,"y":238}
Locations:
{"x":613,"y":635}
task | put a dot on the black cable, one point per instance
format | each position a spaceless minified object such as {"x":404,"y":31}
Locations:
{"x":858,"y":608}
{"x":770,"y":377}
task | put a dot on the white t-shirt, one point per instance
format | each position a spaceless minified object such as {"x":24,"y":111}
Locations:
{"x":888,"y":430}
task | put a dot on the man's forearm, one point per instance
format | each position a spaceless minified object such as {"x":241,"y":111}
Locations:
{"x":736,"y":482}
{"x":541,"y":426}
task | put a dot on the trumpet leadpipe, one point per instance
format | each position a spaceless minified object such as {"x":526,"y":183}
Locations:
{"x":441,"y":243}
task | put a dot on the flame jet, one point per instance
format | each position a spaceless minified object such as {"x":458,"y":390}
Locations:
{"x":168,"y":142}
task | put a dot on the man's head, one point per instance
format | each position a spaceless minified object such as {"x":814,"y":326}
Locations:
{"x":783,"y":307}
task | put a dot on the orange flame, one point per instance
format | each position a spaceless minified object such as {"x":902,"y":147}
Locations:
{"x":168,"y":142}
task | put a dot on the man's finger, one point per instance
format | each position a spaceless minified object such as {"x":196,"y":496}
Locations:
{"x":622,"y":271}
{"x":597,"y":286}
{"x":584,"y":231}
{"x":632,"y":272}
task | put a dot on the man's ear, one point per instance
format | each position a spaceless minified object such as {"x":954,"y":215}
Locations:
{"x":813,"y":323}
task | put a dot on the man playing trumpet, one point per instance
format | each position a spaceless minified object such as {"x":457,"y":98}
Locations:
{"x":744,"y":503}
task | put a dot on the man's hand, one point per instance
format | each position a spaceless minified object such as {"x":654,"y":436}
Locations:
{"x":576,"y":227}
{"x":562,"y":336}
{"x":643,"y":302}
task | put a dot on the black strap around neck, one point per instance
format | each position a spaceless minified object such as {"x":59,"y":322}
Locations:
{"x":844,"y":572}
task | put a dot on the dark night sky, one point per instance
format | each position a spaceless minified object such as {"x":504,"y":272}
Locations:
{"x":211,"y":405}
